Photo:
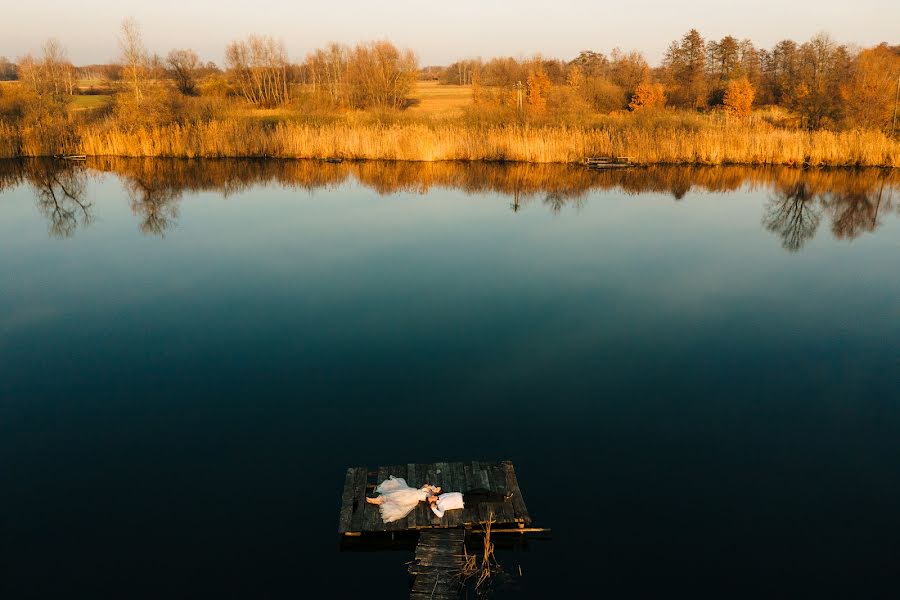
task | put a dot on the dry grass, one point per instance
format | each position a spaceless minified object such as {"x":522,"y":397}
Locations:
{"x":482,"y":570}
{"x":667,"y":144}
{"x":444,"y":126}
{"x":436,"y":101}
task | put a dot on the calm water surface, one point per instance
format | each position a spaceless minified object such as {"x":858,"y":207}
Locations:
{"x":695,"y":371}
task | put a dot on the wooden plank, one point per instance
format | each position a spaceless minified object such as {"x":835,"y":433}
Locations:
{"x":503,"y":511}
{"x":371,"y":512}
{"x":442,"y":479}
{"x":423,"y":513}
{"x":373,"y":520}
{"x":515,"y":494}
{"x":398,"y":471}
{"x":481,"y":476}
{"x":486,"y":512}
{"x":440,"y":475}
{"x":438,"y":563}
{"x":469,"y":477}
{"x":435,"y":477}
{"x":412,"y":479}
{"x":426,"y":516}
{"x":459,"y":482}
{"x":446,"y":477}
{"x":496,"y":479}
{"x":453,"y":479}
{"x":359,"y":498}
{"x":470,"y":513}
{"x":346,"y":503}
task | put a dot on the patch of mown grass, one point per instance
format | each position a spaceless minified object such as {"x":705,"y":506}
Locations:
{"x":86,"y":102}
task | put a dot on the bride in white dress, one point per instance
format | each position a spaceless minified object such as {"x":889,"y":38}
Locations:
{"x":397,"y":499}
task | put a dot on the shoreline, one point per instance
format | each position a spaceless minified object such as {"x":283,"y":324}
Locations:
{"x":734,"y":144}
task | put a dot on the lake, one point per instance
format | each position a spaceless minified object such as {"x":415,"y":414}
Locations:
{"x":696,"y":372}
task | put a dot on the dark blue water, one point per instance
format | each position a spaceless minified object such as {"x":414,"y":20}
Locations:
{"x":696,"y":373}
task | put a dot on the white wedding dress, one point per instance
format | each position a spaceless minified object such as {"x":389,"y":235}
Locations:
{"x":399,"y":498}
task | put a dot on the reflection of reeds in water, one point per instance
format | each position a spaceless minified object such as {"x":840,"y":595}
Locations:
{"x":855,"y":200}
{"x":526,"y":180}
{"x":706,"y":141}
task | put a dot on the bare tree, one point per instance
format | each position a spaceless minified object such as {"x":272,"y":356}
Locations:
{"x":54,"y":66}
{"x":155,"y":203}
{"x":134,"y":57}
{"x":327,"y":71}
{"x":379,"y":74}
{"x":792,"y":214}
{"x":259,"y":68}
{"x":183,"y":65}
{"x":53,"y":75}
{"x":60,"y":197}
{"x":854,"y":212}
{"x":8,"y":71}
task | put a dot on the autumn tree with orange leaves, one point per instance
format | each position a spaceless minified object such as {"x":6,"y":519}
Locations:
{"x":647,"y":96}
{"x":739,"y":95}
{"x":537,"y":86}
{"x":870,"y":93}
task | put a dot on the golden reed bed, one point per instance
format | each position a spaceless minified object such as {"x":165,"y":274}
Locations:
{"x":734,"y":143}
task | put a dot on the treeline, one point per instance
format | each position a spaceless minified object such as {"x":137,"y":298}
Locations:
{"x":591,"y":104}
{"x":824,"y":83}
{"x":257,"y":70}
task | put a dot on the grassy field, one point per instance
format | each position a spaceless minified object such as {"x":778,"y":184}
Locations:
{"x":89,"y":102}
{"x":431,"y":99}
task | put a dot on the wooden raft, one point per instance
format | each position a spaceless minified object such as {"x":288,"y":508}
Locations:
{"x":494,"y":480}
{"x":438,"y":564}
{"x":609,"y":162}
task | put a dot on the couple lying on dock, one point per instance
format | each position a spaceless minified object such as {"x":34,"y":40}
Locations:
{"x":397,"y":499}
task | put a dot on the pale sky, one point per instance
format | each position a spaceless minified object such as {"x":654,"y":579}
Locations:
{"x":438,"y":32}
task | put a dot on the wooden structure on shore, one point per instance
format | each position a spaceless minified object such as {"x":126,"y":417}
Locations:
{"x":609,"y":162}
{"x":491,"y":494}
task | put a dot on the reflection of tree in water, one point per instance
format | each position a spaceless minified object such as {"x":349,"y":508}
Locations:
{"x":854,"y":200}
{"x":854,"y":203}
{"x":60,"y":191}
{"x":792,"y":213}
{"x":11,"y":173}
{"x":854,"y":212}
{"x":556,"y":201}
{"x":155,"y":202}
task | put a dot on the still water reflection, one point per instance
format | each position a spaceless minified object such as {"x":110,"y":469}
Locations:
{"x":695,"y":371}
{"x":852,"y":202}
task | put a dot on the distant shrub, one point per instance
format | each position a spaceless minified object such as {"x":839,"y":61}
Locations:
{"x":738,"y":98}
{"x":647,"y":96}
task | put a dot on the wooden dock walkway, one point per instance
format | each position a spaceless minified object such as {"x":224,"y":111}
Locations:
{"x":609,"y":162}
{"x":438,"y":564}
{"x":490,"y":491}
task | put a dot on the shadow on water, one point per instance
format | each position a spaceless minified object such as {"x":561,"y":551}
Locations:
{"x":852,"y":200}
